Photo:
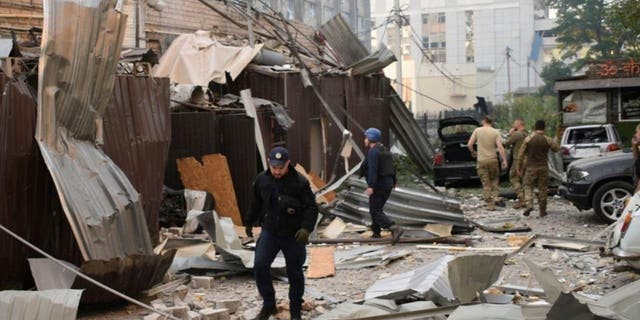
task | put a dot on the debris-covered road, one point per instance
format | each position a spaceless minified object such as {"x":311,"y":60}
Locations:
{"x":581,"y":268}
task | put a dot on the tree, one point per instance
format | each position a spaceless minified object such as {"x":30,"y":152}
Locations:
{"x":530,"y":109}
{"x":596,"y":29}
{"x":553,"y":71}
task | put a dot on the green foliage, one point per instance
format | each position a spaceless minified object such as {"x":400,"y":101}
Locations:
{"x":603,"y":29}
{"x":529,"y":108}
{"x":553,"y":71}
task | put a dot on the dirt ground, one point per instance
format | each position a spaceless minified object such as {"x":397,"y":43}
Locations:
{"x":585,"y":270}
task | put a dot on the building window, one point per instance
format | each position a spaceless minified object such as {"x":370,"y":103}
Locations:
{"x":425,"y":41}
{"x":425,"y":18}
{"x":441,"y":17}
{"x":469,"y":50}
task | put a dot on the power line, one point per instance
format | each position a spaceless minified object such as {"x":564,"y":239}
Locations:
{"x":424,"y":95}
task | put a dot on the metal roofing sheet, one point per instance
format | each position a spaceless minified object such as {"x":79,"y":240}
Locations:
{"x":137,"y":130}
{"x":36,"y":305}
{"x":76,"y":81}
{"x":343,"y":41}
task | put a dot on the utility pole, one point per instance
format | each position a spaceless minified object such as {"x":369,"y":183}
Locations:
{"x":398,"y":45}
{"x":528,"y":66}
{"x":509,"y":82}
{"x":508,"y":70}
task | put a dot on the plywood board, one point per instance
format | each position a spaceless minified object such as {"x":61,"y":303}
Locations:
{"x":321,"y":262}
{"x":319,"y":183}
{"x":213,"y":176}
{"x":314,"y":188}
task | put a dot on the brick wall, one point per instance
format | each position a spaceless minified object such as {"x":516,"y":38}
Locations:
{"x":19,"y":16}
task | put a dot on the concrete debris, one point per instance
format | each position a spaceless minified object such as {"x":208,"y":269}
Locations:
{"x":351,"y":311}
{"x":231,"y":305}
{"x":215,"y":314}
{"x":201,"y":282}
{"x":487,"y":312}
{"x":35,"y":305}
{"x":385,"y":304}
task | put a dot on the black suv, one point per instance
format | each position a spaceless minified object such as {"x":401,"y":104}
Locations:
{"x":453,"y":162}
{"x":600,"y":182}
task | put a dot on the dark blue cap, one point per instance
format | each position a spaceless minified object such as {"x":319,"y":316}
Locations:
{"x":278,"y":156}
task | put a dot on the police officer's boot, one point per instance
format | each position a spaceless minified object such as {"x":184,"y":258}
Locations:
{"x":396,"y":232}
{"x":296,"y":315}
{"x":266,"y":312}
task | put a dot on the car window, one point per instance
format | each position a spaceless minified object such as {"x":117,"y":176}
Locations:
{"x":458,"y":129}
{"x":588,"y":135}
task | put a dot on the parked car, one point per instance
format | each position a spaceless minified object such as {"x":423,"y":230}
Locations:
{"x":589,"y":140}
{"x":624,"y":240}
{"x":453,"y":161}
{"x":601,"y":182}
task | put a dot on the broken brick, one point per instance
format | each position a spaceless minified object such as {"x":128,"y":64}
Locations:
{"x":202,"y":282}
{"x":231,"y":305}
{"x":215,"y":314}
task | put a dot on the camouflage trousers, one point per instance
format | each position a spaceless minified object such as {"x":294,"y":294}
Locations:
{"x":516,"y":181}
{"x":536,"y":176}
{"x":488,"y":171}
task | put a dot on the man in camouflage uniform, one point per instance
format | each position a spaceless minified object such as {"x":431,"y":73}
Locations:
{"x":534,"y":151}
{"x":489,"y":141}
{"x":517,"y":134}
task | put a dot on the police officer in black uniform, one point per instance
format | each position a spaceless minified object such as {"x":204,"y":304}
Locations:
{"x":283,"y":203}
{"x":381,"y":179}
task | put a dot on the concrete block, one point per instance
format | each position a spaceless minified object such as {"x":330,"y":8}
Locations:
{"x":180,"y":292}
{"x":181,"y":312}
{"x":231,"y":305}
{"x":215,"y":314}
{"x":154,"y":316}
{"x":194,"y":315}
{"x":202,"y":282}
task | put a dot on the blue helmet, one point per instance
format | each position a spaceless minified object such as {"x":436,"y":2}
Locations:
{"x":373,"y":134}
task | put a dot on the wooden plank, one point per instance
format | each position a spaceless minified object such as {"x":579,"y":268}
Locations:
{"x":567,"y":246}
{"x":321,"y":262}
{"x":440,"y":230}
{"x":334,"y":229}
{"x":213,"y":176}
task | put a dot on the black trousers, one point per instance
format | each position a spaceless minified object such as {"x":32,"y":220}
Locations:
{"x":376,"y":204}
{"x":295,"y":254}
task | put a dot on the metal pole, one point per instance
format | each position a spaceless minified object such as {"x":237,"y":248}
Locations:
{"x":509,"y":82}
{"x":398,"y":45}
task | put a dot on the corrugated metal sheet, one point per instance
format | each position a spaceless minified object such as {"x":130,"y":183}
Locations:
{"x":408,"y":132}
{"x":239,"y":146}
{"x":129,"y":275}
{"x":343,"y":41}
{"x":366,"y":102}
{"x":76,"y":81}
{"x":193,"y":134}
{"x":137,"y":136}
{"x":23,"y":178}
{"x":36,"y":305}
{"x":362,"y":97}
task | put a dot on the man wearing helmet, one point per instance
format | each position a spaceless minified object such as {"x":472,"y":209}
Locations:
{"x":381,"y":179}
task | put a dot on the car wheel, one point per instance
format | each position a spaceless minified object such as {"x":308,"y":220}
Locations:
{"x":609,"y":200}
